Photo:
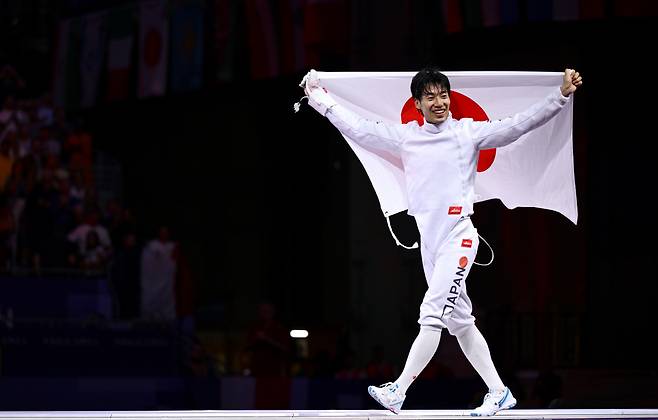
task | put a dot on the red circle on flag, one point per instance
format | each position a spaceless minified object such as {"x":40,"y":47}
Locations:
{"x":463,"y":262}
{"x":461,"y":106}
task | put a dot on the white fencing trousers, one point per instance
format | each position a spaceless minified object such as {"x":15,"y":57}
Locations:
{"x":447,"y":260}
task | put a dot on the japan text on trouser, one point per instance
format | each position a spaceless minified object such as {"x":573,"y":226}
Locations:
{"x":447,"y":260}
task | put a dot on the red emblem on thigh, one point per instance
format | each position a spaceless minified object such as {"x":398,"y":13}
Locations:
{"x":463,"y":262}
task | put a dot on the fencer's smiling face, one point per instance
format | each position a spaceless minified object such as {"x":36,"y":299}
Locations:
{"x":434,"y":104}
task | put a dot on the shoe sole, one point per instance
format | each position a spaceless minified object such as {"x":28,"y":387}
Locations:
{"x":507,"y":407}
{"x":376,"y":398}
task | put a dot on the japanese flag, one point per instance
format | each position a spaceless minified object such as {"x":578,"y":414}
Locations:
{"x":535,"y":171}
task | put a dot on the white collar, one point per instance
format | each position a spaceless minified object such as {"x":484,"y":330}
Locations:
{"x":437,"y":128}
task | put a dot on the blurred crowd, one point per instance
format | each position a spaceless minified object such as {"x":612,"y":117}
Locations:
{"x":51,"y":218}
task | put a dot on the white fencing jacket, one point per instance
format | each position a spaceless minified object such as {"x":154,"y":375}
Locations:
{"x":440,"y":160}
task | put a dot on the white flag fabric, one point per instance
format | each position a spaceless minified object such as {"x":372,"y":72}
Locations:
{"x":535,"y":171}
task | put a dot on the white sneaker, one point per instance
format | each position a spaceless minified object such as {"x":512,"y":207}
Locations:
{"x":388,"y":395}
{"x":494,"y":402}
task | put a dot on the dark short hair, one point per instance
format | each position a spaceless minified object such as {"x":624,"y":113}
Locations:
{"x":429,"y":76}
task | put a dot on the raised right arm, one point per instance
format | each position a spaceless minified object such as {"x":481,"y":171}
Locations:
{"x":367,"y":133}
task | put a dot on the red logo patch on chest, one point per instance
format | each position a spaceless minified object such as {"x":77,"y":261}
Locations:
{"x":455,"y":210}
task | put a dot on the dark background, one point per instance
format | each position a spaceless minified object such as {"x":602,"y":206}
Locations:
{"x":270,"y":205}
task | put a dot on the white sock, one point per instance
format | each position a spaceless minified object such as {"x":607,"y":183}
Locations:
{"x":421,"y":353}
{"x":476,"y":350}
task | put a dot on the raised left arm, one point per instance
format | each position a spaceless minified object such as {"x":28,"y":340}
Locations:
{"x":499,"y":133}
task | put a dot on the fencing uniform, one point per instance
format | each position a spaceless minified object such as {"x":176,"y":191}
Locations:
{"x":440,"y":165}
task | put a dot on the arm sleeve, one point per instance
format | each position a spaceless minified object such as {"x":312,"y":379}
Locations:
{"x":367,"y":133}
{"x":491,"y":134}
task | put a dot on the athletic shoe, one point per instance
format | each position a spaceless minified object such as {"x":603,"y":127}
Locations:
{"x":494,"y":402}
{"x":388,"y":395}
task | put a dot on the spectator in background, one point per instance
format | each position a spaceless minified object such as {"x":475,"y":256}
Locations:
{"x":19,"y":185}
{"x":77,"y":190}
{"x":11,"y":116}
{"x":63,"y":223}
{"x":125,"y":275}
{"x":61,"y":128}
{"x":51,"y":144}
{"x":269,"y":348}
{"x":50,"y":167}
{"x":268,"y":344}
{"x":79,"y":235}
{"x":6,"y":229}
{"x":6,"y":164}
{"x":127,"y":223}
{"x":94,"y":255}
{"x":112,"y":218}
{"x":158,"y":273}
{"x":38,"y":215}
{"x":79,"y":216}
{"x":44,"y":110}
{"x":78,"y":148}
{"x":197,"y":360}
{"x":184,"y":291}
{"x":23,"y":142}
{"x":39,"y":222}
